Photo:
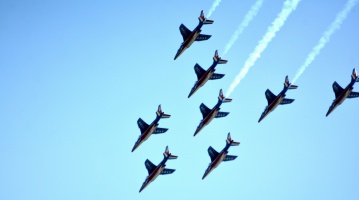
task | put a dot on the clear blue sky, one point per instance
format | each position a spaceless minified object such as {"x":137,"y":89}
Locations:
{"x":76,"y":75}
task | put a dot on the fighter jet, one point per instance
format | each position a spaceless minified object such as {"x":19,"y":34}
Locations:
{"x":190,"y":36}
{"x":148,"y":130}
{"x":209,"y":114}
{"x":154,"y":171}
{"x":203,"y":76}
{"x":341,"y":94}
{"x":217,"y":158}
{"x":274,"y":101}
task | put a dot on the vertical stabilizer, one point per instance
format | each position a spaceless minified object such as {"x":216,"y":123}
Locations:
{"x":168,"y":154}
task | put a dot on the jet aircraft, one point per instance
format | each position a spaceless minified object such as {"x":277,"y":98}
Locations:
{"x":148,"y":130}
{"x":341,"y":94}
{"x":274,"y":101}
{"x":217,"y":158}
{"x":154,"y":171}
{"x":209,"y":114}
{"x":203,"y":76}
{"x":190,"y":36}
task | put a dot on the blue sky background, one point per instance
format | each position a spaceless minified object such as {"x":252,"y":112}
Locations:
{"x":76,"y":75}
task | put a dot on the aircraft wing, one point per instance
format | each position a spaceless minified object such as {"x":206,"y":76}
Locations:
{"x":353,"y":95}
{"x":270,"y":96}
{"x":221,"y":114}
{"x":185,"y":32}
{"x":337,"y":89}
{"x":160,"y":130}
{"x":286,"y":101}
{"x":204,"y":110}
{"x":142,"y":125}
{"x":229,"y":158}
{"x":199,"y":71}
{"x":167,"y":171}
{"x":150,"y":166}
{"x":216,"y":76}
{"x":212,"y":153}
{"x":202,"y":37}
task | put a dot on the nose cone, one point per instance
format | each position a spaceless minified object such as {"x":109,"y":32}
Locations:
{"x":192,"y":92}
{"x":262,"y":117}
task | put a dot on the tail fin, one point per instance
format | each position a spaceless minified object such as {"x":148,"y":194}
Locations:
{"x":162,"y":114}
{"x":218,"y":59}
{"x":222,"y":98}
{"x":201,"y":18}
{"x":168,"y":154}
{"x":229,"y":140}
{"x":354,"y":75}
{"x":287,"y":84}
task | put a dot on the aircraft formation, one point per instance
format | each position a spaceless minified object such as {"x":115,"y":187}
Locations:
{"x":209,"y":114}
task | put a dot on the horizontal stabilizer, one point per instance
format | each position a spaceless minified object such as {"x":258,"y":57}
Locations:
{"x":227,"y":100}
{"x":165,"y":116}
{"x":353,"y":95}
{"x":212,"y":153}
{"x":229,"y":158}
{"x":199,"y":71}
{"x":150,"y":166}
{"x":167,"y":171}
{"x":338,"y":90}
{"x":286,"y":101}
{"x":142,"y":125}
{"x":216,"y":76}
{"x":204,"y":110}
{"x":202,"y":37}
{"x":293,"y":87}
{"x":160,"y":130}
{"x":221,"y":114}
{"x":270,"y":96}
{"x":208,"y":21}
{"x":172,"y":157}
{"x":185,"y":32}
{"x":222,"y":61}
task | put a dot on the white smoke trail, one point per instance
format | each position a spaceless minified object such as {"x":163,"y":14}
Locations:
{"x":288,"y":7}
{"x":247,"y":19}
{"x":213,"y":7}
{"x":326,"y":37}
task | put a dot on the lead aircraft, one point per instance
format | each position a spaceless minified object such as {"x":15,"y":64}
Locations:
{"x":217,"y":158}
{"x":148,"y":130}
{"x":341,"y":94}
{"x":209,"y":114}
{"x":154,"y":171}
{"x":203,"y":76}
{"x":274,"y":101}
{"x":190,"y":36}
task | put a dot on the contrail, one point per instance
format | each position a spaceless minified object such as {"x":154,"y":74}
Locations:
{"x":326,"y":36}
{"x":247,"y":19}
{"x":288,"y":7}
{"x":213,"y":7}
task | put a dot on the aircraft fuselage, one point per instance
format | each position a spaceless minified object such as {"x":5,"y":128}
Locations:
{"x":153,"y":176}
{"x":203,"y":80}
{"x":207,"y":119}
{"x":145,"y":135}
{"x":340,"y":99}
{"x":214,"y":164}
{"x":188,"y":42}
{"x":272,"y":106}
